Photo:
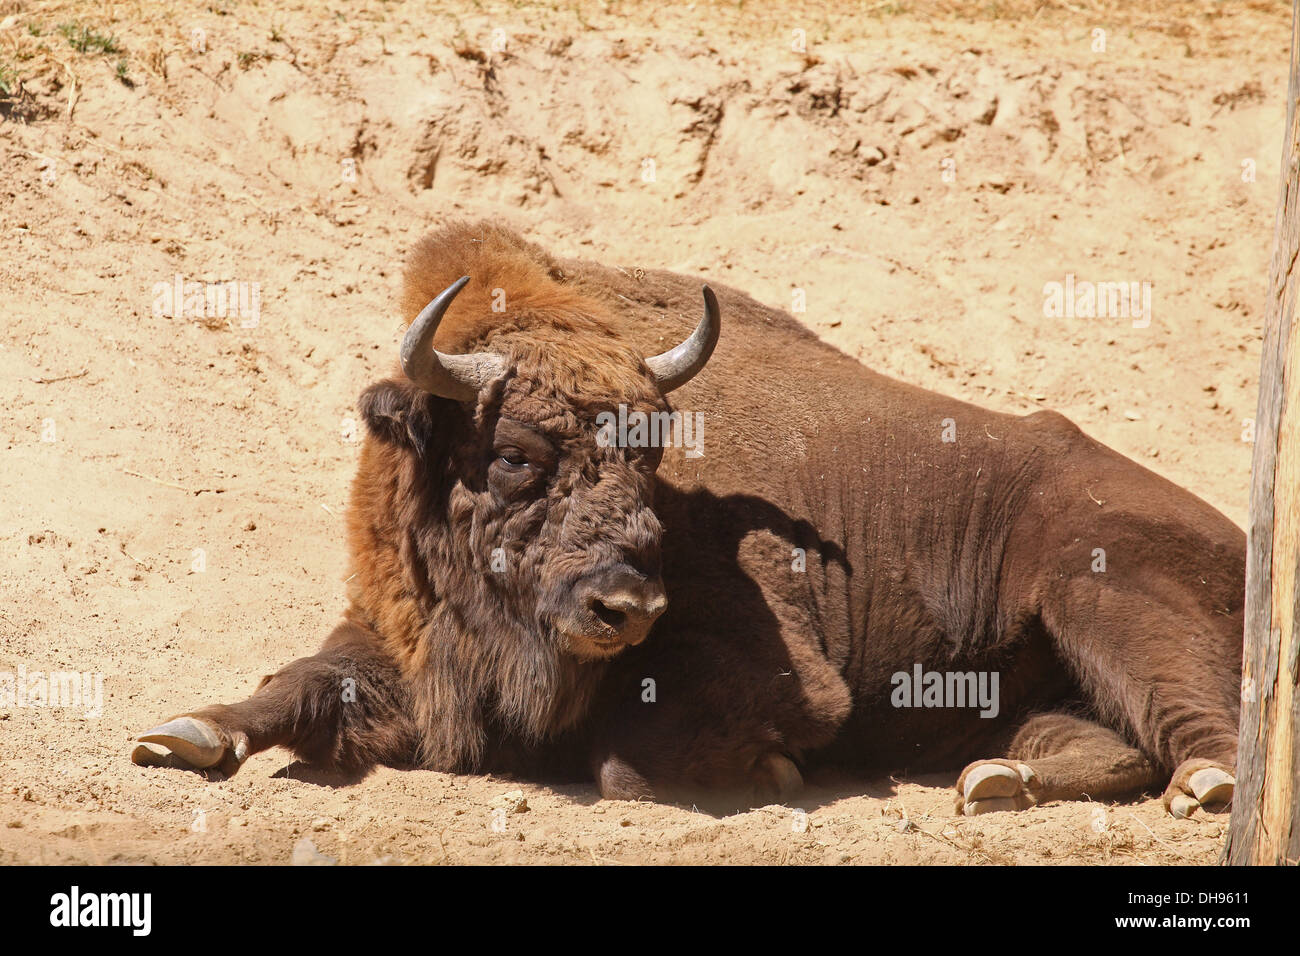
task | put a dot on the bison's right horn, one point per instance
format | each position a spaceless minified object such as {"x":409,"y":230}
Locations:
{"x":677,"y":366}
{"x":458,"y":377}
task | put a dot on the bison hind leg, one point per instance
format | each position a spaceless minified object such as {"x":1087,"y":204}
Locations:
{"x":1056,"y":757}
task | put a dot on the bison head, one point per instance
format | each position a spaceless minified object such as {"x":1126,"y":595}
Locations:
{"x":540,"y":529}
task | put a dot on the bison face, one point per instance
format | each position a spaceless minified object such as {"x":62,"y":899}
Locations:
{"x":575,"y":538}
{"x":547,"y":526}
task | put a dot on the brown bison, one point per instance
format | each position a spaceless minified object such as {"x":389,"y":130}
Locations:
{"x":837,"y":568}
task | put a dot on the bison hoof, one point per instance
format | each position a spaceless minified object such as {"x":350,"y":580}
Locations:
{"x":1212,"y":786}
{"x":777,"y":779}
{"x":1199,"y":784}
{"x":990,"y":786}
{"x":189,"y":743}
{"x":974,"y":808}
{"x":156,"y":755}
{"x":619,"y":781}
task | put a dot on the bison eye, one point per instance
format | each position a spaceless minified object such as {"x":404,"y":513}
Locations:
{"x":512,"y":458}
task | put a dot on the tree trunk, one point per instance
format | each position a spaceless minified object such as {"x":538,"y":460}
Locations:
{"x":1265,"y":826}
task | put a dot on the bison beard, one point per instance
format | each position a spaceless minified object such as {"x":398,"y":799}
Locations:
{"x":472,"y":649}
{"x":508,"y":567}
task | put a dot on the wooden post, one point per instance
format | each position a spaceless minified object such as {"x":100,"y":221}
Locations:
{"x":1265,"y":827}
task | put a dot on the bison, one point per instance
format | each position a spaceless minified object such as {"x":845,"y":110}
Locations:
{"x":832,"y":571}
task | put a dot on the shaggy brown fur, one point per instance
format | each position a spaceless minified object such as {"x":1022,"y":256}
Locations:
{"x":973,"y":555}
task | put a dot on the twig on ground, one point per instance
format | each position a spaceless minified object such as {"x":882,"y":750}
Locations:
{"x":60,"y":378}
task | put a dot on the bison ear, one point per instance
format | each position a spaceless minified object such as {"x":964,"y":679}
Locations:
{"x":396,"y":412}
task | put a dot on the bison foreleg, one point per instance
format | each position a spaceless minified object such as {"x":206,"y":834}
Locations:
{"x":344,"y":709}
{"x":771,"y":778}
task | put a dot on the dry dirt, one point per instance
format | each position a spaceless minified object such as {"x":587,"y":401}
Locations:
{"x":172,"y":489}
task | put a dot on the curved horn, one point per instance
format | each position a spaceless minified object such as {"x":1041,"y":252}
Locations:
{"x":457,"y":377}
{"x":677,"y":366}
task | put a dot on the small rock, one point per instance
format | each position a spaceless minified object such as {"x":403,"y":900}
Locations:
{"x":513,"y":801}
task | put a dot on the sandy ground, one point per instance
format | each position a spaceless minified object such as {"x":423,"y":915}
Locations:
{"x":172,"y":488}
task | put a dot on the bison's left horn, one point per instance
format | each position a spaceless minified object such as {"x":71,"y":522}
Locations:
{"x":458,"y":377}
{"x":678,"y":365}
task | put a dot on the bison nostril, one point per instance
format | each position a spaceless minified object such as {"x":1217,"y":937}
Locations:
{"x":615,"y":619}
